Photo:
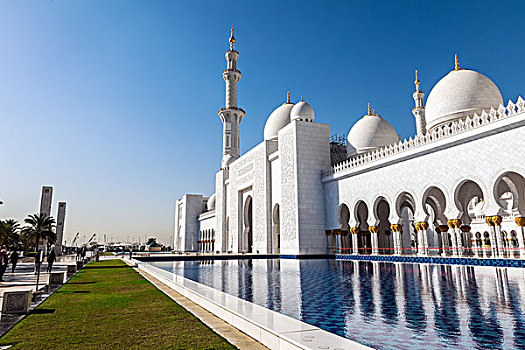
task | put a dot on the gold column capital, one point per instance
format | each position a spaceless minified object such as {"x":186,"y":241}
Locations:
{"x":520,"y":221}
{"x":465,"y":228}
{"x":396,"y":228}
{"x":442,"y":228}
{"x":354,"y":230}
{"x":373,"y":229}
{"x":455,"y":223}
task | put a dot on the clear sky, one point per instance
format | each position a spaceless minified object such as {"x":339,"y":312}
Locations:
{"x":114,"y":103}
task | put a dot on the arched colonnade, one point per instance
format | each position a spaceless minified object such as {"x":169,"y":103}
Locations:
{"x":206,"y":240}
{"x":469,"y":219}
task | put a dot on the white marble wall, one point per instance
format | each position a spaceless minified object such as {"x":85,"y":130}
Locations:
{"x":481,"y":155}
{"x":186,"y":221}
{"x":304,"y":152}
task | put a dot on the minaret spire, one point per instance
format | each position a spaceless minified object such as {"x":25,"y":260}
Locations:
{"x":231,"y":115}
{"x":232,"y":41}
{"x":288,"y":97}
{"x":419,"y":110}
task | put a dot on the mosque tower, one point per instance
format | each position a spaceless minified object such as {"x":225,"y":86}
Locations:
{"x":231,"y":115}
{"x":419,"y":110}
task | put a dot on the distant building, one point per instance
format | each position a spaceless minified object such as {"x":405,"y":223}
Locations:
{"x":47,"y":199}
{"x":61,"y":217}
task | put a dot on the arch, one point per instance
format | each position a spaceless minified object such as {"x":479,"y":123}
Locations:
{"x":364,"y":239}
{"x":469,"y":200}
{"x":343,"y":216}
{"x":381,"y":212}
{"x":513,"y":184}
{"x":247,"y":245}
{"x":405,"y":199}
{"x":405,"y":207}
{"x":435,"y":198}
{"x":276,"y":229}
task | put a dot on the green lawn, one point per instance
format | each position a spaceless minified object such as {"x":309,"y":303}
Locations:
{"x":108,"y":305}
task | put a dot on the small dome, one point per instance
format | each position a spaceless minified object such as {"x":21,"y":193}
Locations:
{"x":211,"y":202}
{"x":369,"y":133}
{"x":279,"y":118}
{"x":302,"y":111}
{"x":458,"y":94}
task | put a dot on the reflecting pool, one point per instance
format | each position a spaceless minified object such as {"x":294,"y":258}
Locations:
{"x":379,"y":304}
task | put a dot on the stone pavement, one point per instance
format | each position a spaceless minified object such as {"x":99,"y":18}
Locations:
{"x":24,"y":279}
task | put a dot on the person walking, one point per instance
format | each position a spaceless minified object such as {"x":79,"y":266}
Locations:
{"x":14,"y":260}
{"x":3,"y":262}
{"x":38,"y":261}
{"x":50,"y":260}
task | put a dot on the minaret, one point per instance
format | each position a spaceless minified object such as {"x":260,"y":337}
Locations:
{"x":419,"y":110}
{"x":231,"y":115}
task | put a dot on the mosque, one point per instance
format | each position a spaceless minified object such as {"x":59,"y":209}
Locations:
{"x":456,"y":188}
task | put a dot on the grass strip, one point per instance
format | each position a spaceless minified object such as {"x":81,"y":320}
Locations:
{"x":108,"y":305}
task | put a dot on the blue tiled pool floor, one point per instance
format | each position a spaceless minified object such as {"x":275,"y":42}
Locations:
{"x":380,"y":304}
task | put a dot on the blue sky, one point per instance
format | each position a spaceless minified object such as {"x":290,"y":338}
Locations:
{"x":114,"y":103}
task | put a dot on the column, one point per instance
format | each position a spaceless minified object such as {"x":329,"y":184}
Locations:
{"x":453,"y":234}
{"x":396,"y":232}
{"x":344,"y":246}
{"x":354,"y":231}
{"x":479,"y":246}
{"x":443,"y":231}
{"x":520,"y":223}
{"x":424,"y":234}
{"x":421,"y":231}
{"x":374,"y":230}
{"x":492,"y":231}
{"x":337,"y":234}
{"x":465,"y":232}
{"x":496,"y":220}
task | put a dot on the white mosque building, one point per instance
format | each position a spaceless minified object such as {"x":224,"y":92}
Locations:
{"x":456,"y":188}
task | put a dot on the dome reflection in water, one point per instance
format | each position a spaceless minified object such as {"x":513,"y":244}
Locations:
{"x":383,"y":305}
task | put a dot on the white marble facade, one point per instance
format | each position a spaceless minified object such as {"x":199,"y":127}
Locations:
{"x":457,"y":188}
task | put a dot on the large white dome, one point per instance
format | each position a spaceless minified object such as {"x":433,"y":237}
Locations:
{"x":302,"y":111}
{"x":458,"y":94}
{"x":369,"y":133}
{"x":211,"y":202}
{"x":279,"y":118}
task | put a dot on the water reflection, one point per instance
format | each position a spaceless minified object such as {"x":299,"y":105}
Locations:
{"x":384,"y":305}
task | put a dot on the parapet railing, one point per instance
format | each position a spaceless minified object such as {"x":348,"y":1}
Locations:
{"x":438,"y":133}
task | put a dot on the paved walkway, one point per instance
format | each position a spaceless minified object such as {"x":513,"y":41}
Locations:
{"x":24,"y":279}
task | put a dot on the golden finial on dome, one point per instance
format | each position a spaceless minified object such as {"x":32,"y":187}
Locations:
{"x":232,"y":40}
{"x":302,"y":99}
{"x":288,"y":97}
{"x":373,"y":111}
{"x":369,"y":109}
{"x":456,"y":62}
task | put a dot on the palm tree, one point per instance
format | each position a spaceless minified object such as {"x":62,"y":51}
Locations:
{"x":39,"y":226}
{"x":9,"y":233}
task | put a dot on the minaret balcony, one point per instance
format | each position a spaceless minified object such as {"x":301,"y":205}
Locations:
{"x":231,"y":108}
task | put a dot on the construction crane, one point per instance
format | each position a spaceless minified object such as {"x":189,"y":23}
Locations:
{"x":75,"y":239}
{"x":94,"y":234}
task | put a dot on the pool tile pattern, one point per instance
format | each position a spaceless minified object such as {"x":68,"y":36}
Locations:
{"x":436,"y":260}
